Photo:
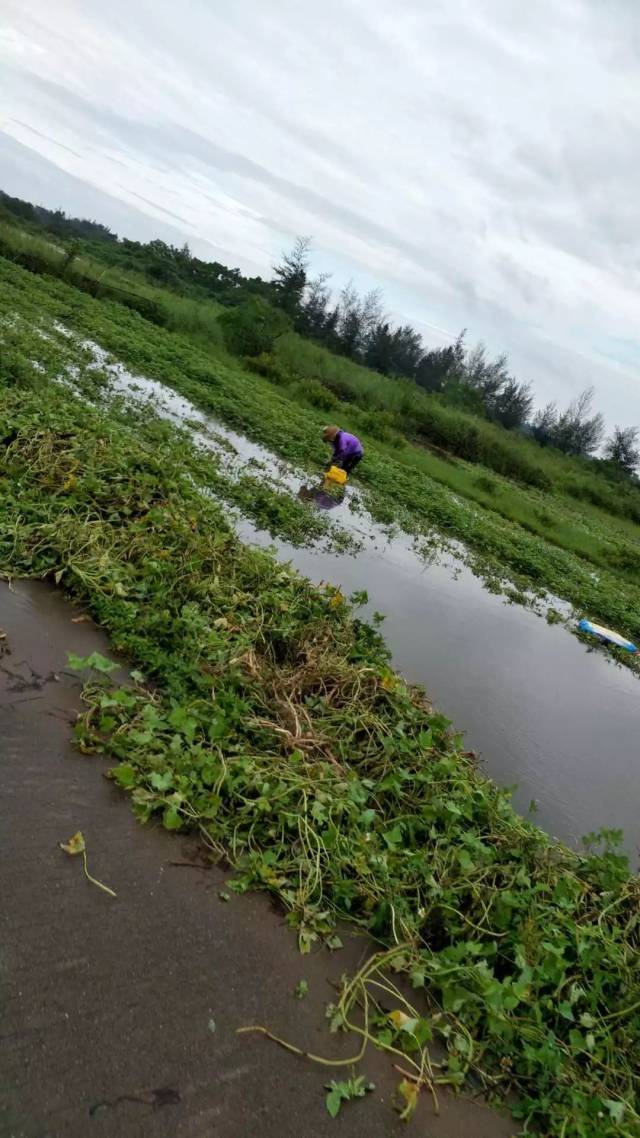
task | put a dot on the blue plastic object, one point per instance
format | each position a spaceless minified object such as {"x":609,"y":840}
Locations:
{"x":607,"y":636}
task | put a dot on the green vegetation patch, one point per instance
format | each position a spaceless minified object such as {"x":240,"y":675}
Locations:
{"x":277,"y":729}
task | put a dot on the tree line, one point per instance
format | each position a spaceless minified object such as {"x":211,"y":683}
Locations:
{"x":357,"y":327}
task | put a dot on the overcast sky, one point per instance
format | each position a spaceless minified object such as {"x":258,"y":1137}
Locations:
{"x":479,"y":159}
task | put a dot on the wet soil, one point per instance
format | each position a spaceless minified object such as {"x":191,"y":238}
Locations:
{"x":120,"y":1015}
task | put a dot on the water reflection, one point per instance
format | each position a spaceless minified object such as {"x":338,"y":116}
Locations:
{"x":326,"y":495}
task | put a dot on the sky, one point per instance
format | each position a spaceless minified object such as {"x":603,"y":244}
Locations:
{"x":477,"y":159}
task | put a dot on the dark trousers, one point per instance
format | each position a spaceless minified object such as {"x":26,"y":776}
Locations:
{"x":349,"y":462}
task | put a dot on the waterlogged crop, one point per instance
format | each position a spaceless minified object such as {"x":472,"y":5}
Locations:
{"x":510,"y":536}
{"x":32,"y":357}
{"x":264,"y":715}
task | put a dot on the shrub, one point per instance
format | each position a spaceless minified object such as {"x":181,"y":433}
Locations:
{"x":624,"y":557}
{"x":316,"y":394}
{"x":546,"y":519}
{"x":253,"y":327}
{"x":486,"y":484}
{"x":267,"y":365}
{"x":477,"y":441}
{"x":449,"y":430}
{"x":381,"y":425}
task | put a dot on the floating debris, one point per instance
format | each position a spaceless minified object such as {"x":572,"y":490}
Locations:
{"x":608,"y":637}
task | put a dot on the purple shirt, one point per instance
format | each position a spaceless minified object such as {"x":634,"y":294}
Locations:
{"x":346,"y":445}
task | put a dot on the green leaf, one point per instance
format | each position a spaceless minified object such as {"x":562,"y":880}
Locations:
{"x":301,"y":989}
{"x":353,"y":1088}
{"x":393,"y":837}
{"x":142,"y":737}
{"x":367,"y":818}
{"x":318,"y":812}
{"x":171,"y":820}
{"x":306,"y":938}
{"x":125,"y":774}
{"x":360,"y":597}
{"x":615,"y":1108}
{"x":95,"y":660}
{"x":423,"y":1032}
{"x":333,"y":1102}
{"x":181,"y":721}
{"x":161,"y":781}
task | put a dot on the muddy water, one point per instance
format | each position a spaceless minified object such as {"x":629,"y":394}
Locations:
{"x":558,"y":722}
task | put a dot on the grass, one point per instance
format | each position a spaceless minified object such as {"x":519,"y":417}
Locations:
{"x":429,"y":419}
{"x":196,"y":318}
{"x":575,"y":556}
{"x":273,"y":725}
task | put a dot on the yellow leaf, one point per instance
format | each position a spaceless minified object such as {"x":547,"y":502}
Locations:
{"x":407,"y":1099}
{"x":75,"y":845}
{"x":336,"y":600}
{"x":399,"y":1019}
{"x":388,"y":683}
{"x":70,"y":482}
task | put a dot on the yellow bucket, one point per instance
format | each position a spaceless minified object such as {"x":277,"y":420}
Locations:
{"x":335,"y":474}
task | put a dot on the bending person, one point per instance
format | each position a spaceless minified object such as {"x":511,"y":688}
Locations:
{"x":347,"y":449}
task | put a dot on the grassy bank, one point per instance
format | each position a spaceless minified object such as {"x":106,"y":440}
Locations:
{"x":578,"y":557}
{"x":159,"y":305}
{"x":278,"y":730}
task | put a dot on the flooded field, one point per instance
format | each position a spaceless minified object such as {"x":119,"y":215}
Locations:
{"x":554,"y":719}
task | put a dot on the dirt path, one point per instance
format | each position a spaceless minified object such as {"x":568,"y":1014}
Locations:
{"x":120,"y":1015}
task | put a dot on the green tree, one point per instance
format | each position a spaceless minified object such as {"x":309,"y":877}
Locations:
{"x":578,"y":430}
{"x":379,"y":350}
{"x":544,"y":424}
{"x":512,"y":405}
{"x":290,"y":279}
{"x":440,"y":366}
{"x":485,"y":376}
{"x":315,"y":316}
{"x":622,"y":449}
{"x":406,"y":351}
{"x":350,"y":322}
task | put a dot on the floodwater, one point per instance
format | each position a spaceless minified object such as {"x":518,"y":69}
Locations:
{"x":558,"y":722}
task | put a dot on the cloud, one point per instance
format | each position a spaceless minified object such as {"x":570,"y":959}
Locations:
{"x":476,"y":158}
